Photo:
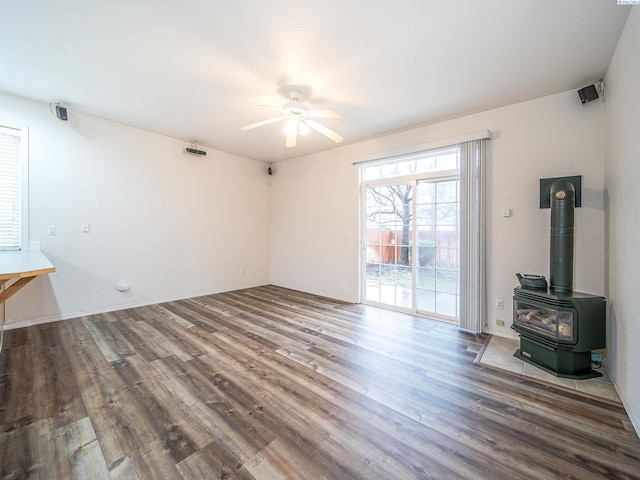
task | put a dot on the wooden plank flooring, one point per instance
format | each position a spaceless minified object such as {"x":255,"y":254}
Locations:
{"x":269,"y":383}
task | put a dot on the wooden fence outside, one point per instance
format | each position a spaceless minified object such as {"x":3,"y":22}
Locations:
{"x":383,"y":246}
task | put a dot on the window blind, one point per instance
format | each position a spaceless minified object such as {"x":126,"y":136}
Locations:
{"x":10,"y":170}
{"x":472,"y":261}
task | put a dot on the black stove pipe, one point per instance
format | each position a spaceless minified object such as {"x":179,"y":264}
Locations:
{"x":563,"y":201}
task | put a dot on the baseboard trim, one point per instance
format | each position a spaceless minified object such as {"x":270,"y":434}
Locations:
{"x":87,"y":313}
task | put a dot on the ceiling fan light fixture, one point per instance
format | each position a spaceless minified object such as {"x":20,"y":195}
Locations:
{"x":291,"y":127}
{"x":303,"y":129}
{"x":295,"y":127}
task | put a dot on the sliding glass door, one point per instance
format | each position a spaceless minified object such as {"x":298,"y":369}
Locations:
{"x":411,"y":235}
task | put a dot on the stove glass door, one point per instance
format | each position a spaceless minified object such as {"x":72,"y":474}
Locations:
{"x":557,"y":325}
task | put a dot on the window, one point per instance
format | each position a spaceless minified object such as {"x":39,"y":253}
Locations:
{"x":415,"y":164}
{"x":13,"y":192}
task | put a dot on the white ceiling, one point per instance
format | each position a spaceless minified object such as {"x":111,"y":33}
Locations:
{"x":197,"y":69}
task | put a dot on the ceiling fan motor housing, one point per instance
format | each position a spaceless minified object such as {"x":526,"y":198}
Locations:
{"x":295,"y":110}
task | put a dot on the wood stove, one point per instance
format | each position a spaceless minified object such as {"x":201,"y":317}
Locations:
{"x":559,"y":327}
{"x":558,"y":331}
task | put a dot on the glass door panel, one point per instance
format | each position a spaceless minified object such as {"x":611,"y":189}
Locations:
{"x":388,"y":227}
{"x":437,"y":241}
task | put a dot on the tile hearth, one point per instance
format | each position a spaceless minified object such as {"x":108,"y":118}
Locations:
{"x":498,"y":354}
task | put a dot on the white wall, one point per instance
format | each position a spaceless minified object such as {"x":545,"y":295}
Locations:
{"x":622,"y":182}
{"x":173,"y":225}
{"x":314,"y":226}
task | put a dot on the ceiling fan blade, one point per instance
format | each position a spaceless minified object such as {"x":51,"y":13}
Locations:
{"x":292,"y":139}
{"x":324,"y":131}
{"x":324,"y":114}
{"x":263,"y":122}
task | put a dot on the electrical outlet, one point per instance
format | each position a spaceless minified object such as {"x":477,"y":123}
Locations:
{"x":499,"y":304}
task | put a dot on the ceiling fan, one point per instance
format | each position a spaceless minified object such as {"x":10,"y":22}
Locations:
{"x":299,"y":120}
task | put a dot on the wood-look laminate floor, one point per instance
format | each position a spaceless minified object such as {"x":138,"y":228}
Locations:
{"x":269,"y":383}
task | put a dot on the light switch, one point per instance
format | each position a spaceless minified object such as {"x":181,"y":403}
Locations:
{"x":51,"y":230}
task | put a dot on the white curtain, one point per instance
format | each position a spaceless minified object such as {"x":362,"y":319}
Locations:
{"x":472,"y":235}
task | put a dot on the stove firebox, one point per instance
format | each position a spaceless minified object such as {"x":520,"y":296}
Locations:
{"x":559,"y":327}
{"x":558,"y":331}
